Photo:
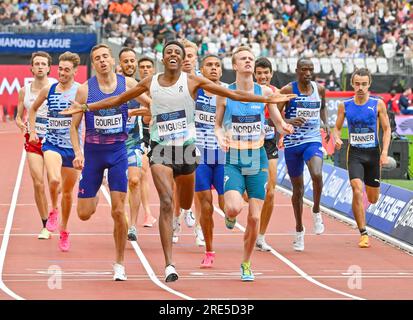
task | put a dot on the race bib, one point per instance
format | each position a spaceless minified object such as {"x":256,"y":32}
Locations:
{"x":246,"y":127}
{"x":108,"y":124}
{"x":41,"y":126}
{"x":172,"y":126}
{"x":60,"y":123}
{"x":308,"y":114}
{"x":204,"y":119}
{"x":269,"y":131}
{"x":357,"y":139}
{"x":131,"y":121}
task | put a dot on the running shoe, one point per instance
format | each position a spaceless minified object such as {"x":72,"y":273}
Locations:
{"x":208,"y":259}
{"x":318,"y":223}
{"x":262,"y":245}
{"x":176,"y":229}
{"x":299,"y":241}
{"x":230,"y":223}
{"x":199,"y":237}
{"x":44,"y":234}
{"x":246,"y":273}
{"x":364,"y":241}
{"x":188,"y":217}
{"x":170,"y":273}
{"x":52,"y":222}
{"x":132,"y":234}
{"x":149,"y":221}
{"x":64,"y":243}
{"x":119,"y":272}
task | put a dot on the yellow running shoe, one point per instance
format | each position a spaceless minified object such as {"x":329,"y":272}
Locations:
{"x":364,"y":241}
{"x":44,"y":234}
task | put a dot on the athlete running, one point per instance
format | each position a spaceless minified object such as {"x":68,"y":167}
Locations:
{"x":263,"y":73}
{"x":146,"y":68}
{"x":210,"y":171}
{"x":304,"y":145}
{"x":40,"y":67}
{"x":105,"y":148}
{"x":57,"y":147}
{"x":364,"y":158}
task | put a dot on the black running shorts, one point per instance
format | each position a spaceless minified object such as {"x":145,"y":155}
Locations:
{"x":271,"y":148}
{"x":364,"y":164}
{"x":182,"y":159}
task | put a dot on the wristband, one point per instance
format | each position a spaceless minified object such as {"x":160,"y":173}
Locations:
{"x":85,"y":107}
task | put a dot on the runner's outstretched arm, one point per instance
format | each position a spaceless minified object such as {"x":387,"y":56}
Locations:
{"x":238,"y":95}
{"x":111,"y":102}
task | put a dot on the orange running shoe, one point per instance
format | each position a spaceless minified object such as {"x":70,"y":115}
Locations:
{"x":364,"y":241}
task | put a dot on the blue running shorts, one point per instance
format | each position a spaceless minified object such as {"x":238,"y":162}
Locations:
{"x":99,"y":157}
{"x":247,"y":170}
{"x":67,"y":154}
{"x":296,"y":156}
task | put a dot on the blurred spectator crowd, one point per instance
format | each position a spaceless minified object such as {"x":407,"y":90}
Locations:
{"x":278,"y":28}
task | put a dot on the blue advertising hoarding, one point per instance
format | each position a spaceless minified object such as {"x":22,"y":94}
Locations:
{"x":12,"y":43}
{"x":392,"y":214}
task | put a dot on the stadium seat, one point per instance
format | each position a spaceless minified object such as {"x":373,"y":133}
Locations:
{"x":212,"y":48}
{"x":116,"y":40}
{"x":256,"y":49}
{"x":389,"y":50}
{"x":371,"y":64}
{"x":317,"y":66}
{"x":146,"y":28}
{"x":382,"y":65}
{"x":273,"y":64}
{"x":359,"y":63}
{"x":282,"y":65}
{"x":226,"y":63}
{"x":325,"y":65}
{"x":292,"y":63}
{"x":337,"y":65}
{"x":348,"y":65}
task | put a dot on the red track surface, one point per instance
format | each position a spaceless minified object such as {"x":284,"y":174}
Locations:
{"x":387,"y":273}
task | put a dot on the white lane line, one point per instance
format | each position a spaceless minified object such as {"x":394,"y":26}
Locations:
{"x":342,"y":218}
{"x":104,"y":204}
{"x":7,"y":229}
{"x":232,"y":234}
{"x":145,"y":262}
{"x":295,"y":267}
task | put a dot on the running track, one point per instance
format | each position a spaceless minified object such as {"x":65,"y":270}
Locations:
{"x":325,"y":270}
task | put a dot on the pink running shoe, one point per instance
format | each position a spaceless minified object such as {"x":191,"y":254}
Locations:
{"x":149,"y":221}
{"x":52,"y":222}
{"x":208,"y":260}
{"x":64,"y":243}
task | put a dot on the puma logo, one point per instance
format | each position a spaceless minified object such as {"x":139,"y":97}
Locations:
{"x":371,"y":108}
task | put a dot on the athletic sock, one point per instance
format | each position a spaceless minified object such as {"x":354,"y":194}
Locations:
{"x":260,"y":237}
{"x":363,"y":232}
{"x":44,"y":221}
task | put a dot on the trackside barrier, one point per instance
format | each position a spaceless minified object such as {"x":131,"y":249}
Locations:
{"x":391,"y":218}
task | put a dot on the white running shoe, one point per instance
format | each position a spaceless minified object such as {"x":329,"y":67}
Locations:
{"x":298,"y":244}
{"x":119,"y":272}
{"x":44,"y":234}
{"x":176,"y":225}
{"x":199,"y":237}
{"x":318,"y":223}
{"x":175,"y":238}
{"x":262,"y":245}
{"x":176,"y":229}
{"x":188,"y":217}
{"x":170,"y":274}
{"x":132,"y":234}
